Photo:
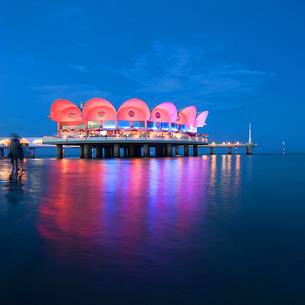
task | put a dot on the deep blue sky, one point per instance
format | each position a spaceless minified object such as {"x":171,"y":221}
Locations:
{"x":241,"y":60}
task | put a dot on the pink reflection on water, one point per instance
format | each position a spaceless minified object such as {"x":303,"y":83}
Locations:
{"x":118,"y":208}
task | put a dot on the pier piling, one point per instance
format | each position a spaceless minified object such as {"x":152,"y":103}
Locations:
{"x":81,"y":151}
{"x":60,"y":151}
{"x":169,"y":150}
{"x":99,"y":151}
{"x":131,"y":150}
{"x":146,"y":151}
{"x":195,"y":150}
{"x":116,"y":150}
{"x":87,"y":151}
{"x":159,"y":150}
{"x":186,"y":150}
{"x":125,"y":151}
{"x":249,"y":150}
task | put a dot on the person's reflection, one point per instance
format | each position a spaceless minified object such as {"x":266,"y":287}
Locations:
{"x":14,"y":190}
{"x":13,"y":184}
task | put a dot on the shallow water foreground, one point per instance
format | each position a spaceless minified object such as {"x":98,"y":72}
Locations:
{"x":197,"y":230}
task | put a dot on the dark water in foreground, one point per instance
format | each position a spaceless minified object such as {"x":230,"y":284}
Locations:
{"x":197,"y":230}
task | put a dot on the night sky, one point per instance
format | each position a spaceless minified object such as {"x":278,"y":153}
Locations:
{"x":241,"y":60}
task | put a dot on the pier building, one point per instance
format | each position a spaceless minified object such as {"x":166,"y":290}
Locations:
{"x":101,"y":130}
{"x":131,"y":130}
{"x":98,"y":117}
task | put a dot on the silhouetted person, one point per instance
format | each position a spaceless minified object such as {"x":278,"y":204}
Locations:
{"x":16,"y":154}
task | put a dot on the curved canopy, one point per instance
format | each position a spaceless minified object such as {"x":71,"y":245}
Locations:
{"x":134,"y":110}
{"x":98,"y":109}
{"x":201,"y":118}
{"x":187,"y":116}
{"x":165,"y":112}
{"x":65,"y":111}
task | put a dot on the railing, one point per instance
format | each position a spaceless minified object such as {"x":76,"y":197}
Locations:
{"x":119,"y":138}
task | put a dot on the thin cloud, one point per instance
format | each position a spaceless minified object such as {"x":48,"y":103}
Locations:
{"x":80,"y":68}
{"x":185,"y":74}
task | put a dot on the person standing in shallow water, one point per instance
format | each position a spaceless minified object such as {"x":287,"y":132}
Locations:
{"x":16,"y":154}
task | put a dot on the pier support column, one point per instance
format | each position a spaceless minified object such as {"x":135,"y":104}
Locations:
{"x":138,"y":150}
{"x":81,"y":151}
{"x":131,"y":150}
{"x":111,"y":150}
{"x":107,"y":151}
{"x":87,"y":151}
{"x":116,"y":149}
{"x":1,"y":152}
{"x":211,"y":150}
{"x":195,"y":150}
{"x":146,"y":150}
{"x":99,"y":151}
{"x":159,"y":150}
{"x":125,"y":152}
{"x":60,"y":151}
{"x":249,"y":150}
{"x":229,"y":150}
{"x":186,"y":150}
{"x":176,"y":150}
{"x":169,"y":150}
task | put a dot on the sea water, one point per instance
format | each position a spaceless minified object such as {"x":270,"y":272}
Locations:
{"x":184,"y":230}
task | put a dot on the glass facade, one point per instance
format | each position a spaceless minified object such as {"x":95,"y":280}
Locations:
{"x":69,"y":127}
{"x":93,"y":124}
{"x":152,"y":125}
{"x":174,"y":126}
{"x":164,"y":125}
{"x":181,"y":127}
{"x":124,"y":124}
{"x":109,"y":125}
{"x":139,"y":124}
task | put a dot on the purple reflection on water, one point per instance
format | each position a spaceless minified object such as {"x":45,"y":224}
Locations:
{"x":121,"y":208}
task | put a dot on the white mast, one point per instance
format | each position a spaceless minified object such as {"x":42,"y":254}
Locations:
{"x":250,"y":133}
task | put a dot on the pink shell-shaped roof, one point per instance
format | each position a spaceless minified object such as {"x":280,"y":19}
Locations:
{"x":134,"y":110}
{"x":165,"y":112}
{"x":65,"y":111}
{"x":201,"y":118}
{"x":187,"y":116}
{"x":98,"y":109}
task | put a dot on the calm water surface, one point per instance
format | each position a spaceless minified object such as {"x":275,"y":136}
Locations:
{"x":197,"y":230}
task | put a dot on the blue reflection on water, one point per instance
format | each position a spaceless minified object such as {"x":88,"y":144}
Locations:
{"x":196,"y":230}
